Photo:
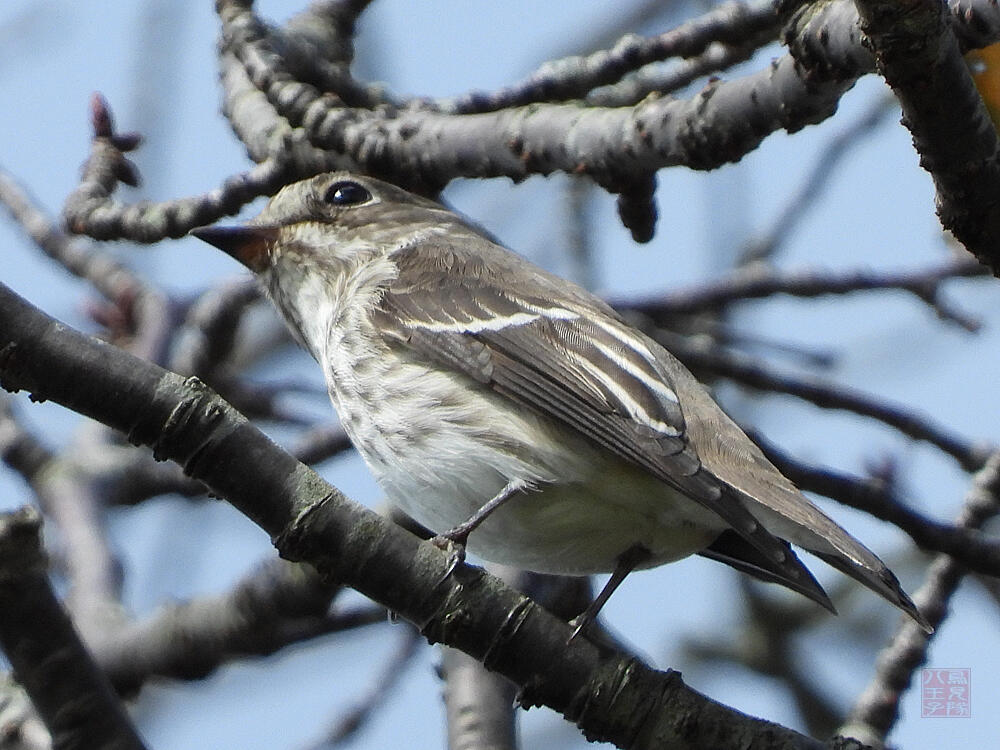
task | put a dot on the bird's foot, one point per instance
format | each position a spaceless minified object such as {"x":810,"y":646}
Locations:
{"x":454,"y":540}
{"x":627,"y":561}
{"x":580,"y":623}
{"x":453,"y":544}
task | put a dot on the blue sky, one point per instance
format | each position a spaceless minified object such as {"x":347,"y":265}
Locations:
{"x":876,"y":212}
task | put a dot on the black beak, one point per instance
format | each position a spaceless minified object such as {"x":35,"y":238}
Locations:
{"x":249,"y":245}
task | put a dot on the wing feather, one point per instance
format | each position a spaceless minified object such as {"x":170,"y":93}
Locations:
{"x":567,"y":357}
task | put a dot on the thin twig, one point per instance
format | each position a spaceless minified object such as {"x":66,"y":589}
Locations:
{"x":975,"y":549}
{"x":759,"y":281}
{"x":90,"y":209}
{"x":139,"y":302}
{"x":45,"y":651}
{"x":347,"y":725}
{"x":877,"y":709}
{"x":705,"y":356}
{"x":833,"y":154}
{"x":573,"y":77}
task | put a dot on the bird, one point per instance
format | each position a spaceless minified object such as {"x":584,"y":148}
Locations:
{"x":512,"y":411}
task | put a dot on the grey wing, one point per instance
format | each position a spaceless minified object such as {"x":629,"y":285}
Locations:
{"x":734,"y":459}
{"x":569,"y":358}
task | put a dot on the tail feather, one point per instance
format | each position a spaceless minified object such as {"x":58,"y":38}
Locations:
{"x":828,"y":541}
{"x":733,"y":550}
{"x":750,"y":479}
{"x":880,"y":580}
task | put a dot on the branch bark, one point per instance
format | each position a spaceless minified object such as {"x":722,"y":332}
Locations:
{"x":609,"y":696}
{"x":877,"y":708}
{"x":920,"y":58}
{"x":69,"y":691}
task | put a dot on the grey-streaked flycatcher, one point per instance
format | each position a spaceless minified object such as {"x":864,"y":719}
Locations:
{"x":497,"y":403}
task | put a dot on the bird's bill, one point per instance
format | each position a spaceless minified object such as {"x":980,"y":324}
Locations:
{"x":250,"y":245}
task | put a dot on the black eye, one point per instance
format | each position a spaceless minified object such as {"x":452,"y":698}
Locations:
{"x":346,"y":193}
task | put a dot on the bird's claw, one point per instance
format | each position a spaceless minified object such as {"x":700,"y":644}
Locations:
{"x":455,"y":549}
{"x":580,"y":623}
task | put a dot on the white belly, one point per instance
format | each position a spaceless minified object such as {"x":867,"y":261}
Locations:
{"x":444,"y":449}
{"x":572,"y":528}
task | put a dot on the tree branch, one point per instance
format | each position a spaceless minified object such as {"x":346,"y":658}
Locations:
{"x":973,"y":548}
{"x":89,"y":209}
{"x":574,"y":77}
{"x":877,"y":709}
{"x":278,"y":604}
{"x":346,"y":726}
{"x":609,"y":696}
{"x":298,"y":120}
{"x":952,"y":131}
{"x":758,"y":281}
{"x":67,"y":688}
{"x":141,"y":304}
{"x":750,"y":372}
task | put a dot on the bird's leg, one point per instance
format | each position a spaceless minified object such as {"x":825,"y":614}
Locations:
{"x":453,"y":541}
{"x":627,"y":562}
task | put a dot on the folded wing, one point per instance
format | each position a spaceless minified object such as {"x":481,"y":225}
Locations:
{"x":552,"y":347}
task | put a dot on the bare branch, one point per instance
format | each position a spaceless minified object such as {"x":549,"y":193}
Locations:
{"x":819,"y":177}
{"x":768,"y":645}
{"x":68,"y":690}
{"x":321,"y":443}
{"x":296,"y":128}
{"x":758,"y":281}
{"x":141,"y":303}
{"x":701,"y":355}
{"x":660,"y":80}
{"x":952,"y":131}
{"x":309,"y":520}
{"x":877,"y":709}
{"x":720,"y":124}
{"x":70,"y":496}
{"x":975,"y":549}
{"x":574,"y":77}
{"x":90,"y":210}
{"x":346,"y":726}
{"x":278,"y":604}
{"x":479,"y":704}
{"x":208,"y":332}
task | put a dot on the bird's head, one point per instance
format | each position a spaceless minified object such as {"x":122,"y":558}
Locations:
{"x":329,"y":219}
{"x":325,"y":244}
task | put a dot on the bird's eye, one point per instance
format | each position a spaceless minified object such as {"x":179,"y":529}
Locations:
{"x":346,"y":193}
